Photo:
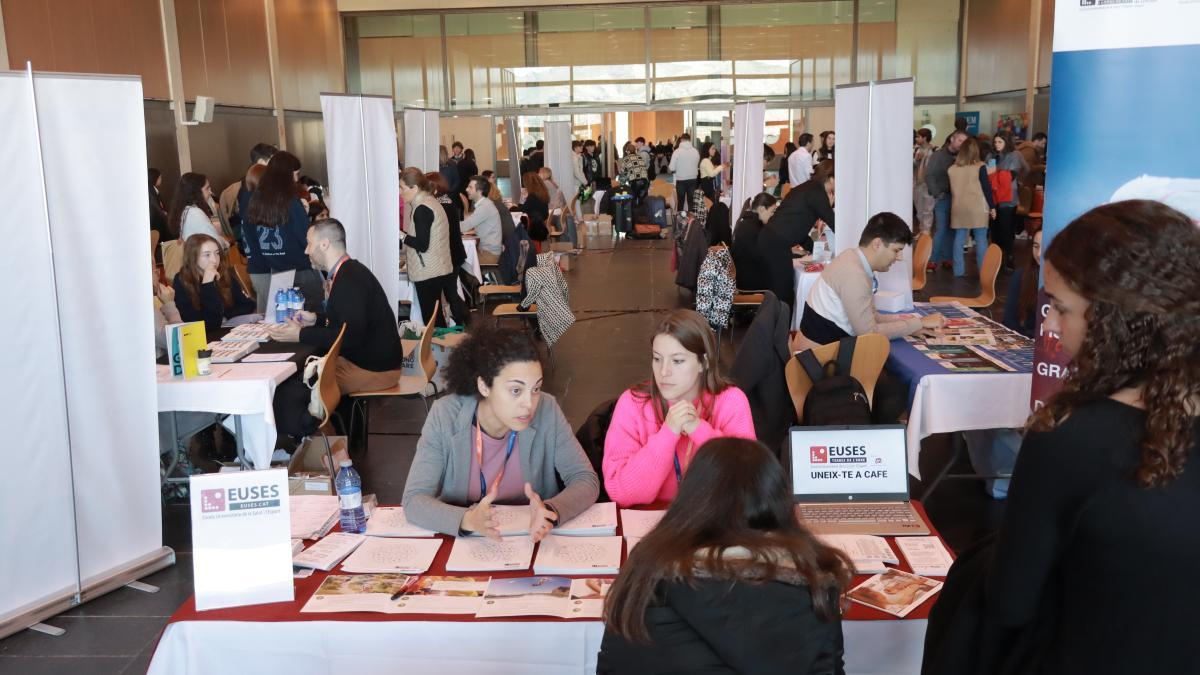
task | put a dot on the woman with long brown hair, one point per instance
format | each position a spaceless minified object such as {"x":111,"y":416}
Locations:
{"x":729,"y":580}
{"x":277,"y":216}
{"x":657,"y":425}
{"x":426,"y":237}
{"x":536,"y":205}
{"x":206,"y":289}
{"x":1101,"y":512}
{"x":191,"y":209}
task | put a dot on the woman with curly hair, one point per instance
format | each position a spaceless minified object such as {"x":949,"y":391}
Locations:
{"x":496,"y":439}
{"x":1102,"y":506}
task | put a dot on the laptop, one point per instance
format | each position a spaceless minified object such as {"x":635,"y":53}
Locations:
{"x":853,"y":480}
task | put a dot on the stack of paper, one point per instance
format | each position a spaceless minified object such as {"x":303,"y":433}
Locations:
{"x":297,"y":546}
{"x":248,"y":332}
{"x":230,"y":352}
{"x":630,"y":542}
{"x":638,"y":523}
{"x":868,"y":552}
{"x":389,"y":521}
{"x":327,"y":553}
{"x":476,"y":554}
{"x":313,"y":516}
{"x":575,"y":555}
{"x":383,"y":556}
{"x":925,"y":555}
{"x":510,"y":520}
{"x":599,"y":520}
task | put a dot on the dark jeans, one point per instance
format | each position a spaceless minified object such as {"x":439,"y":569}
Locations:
{"x":444,"y":288}
{"x":1002,"y":230}
{"x":683,"y":193}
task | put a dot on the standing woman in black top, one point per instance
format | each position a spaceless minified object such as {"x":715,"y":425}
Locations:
{"x":1102,"y":510}
{"x":728,"y":581}
{"x":279,"y":219}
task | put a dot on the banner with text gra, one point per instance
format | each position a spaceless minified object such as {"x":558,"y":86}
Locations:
{"x":1125,"y":79}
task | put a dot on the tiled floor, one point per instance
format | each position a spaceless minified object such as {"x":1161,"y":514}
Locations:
{"x":618,"y":295}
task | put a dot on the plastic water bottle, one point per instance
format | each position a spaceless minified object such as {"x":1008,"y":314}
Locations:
{"x":349,"y":489}
{"x":281,"y":305}
{"x":297,"y":302}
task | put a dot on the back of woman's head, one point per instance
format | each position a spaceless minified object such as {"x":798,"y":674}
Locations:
{"x":469,"y":154}
{"x":483,"y":354}
{"x":276,"y":191}
{"x":152,"y":175}
{"x":734,"y":494}
{"x":968,"y":153}
{"x":414,"y":178}
{"x":254,"y":176}
{"x":822,"y":172}
{"x":1137,"y":263}
{"x":438,"y":182}
{"x":629,"y":149}
{"x":190,"y":192}
{"x":534,"y":186}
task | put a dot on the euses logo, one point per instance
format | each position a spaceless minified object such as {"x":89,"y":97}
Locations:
{"x":219,"y":500}
{"x":818,"y":454}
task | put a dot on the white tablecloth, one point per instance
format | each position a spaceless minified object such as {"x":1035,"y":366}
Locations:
{"x":243,"y":389}
{"x":964,"y":402}
{"x":437,"y":647}
{"x":471,"y":264}
{"x":804,"y":283}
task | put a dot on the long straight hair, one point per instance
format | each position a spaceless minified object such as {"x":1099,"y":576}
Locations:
{"x":733,"y":494}
{"x":189,"y":193}
{"x":191,"y":276}
{"x":693,"y":332}
{"x":276,"y":190}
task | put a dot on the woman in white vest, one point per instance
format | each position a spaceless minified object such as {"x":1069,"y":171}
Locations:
{"x":427,"y":247}
{"x":971,"y":206}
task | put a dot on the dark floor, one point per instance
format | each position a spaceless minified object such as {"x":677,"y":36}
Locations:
{"x":618,"y":295}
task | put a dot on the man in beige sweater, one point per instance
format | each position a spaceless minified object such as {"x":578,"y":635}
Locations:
{"x":842,"y":302}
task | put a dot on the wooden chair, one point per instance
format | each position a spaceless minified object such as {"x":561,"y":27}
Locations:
{"x":870,"y":353}
{"x":510,"y":311}
{"x":409,"y":385}
{"x":172,"y":257}
{"x":987,"y":282}
{"x":922,"y":249}
{"x":331,"y":395}
{"x":488,"y":290}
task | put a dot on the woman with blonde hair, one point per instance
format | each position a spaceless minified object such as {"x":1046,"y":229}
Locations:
{"x":657,"y":425}
{"x":971,"y":206}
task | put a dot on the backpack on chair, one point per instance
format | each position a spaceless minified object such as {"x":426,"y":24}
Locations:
{"x":836,"y":399}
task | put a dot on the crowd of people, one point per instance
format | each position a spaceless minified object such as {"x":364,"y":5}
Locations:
{"x":730,"y":581}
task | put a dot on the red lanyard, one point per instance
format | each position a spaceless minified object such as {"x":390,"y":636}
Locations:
{"x":484,"y":489}
{"x":337,"y":268}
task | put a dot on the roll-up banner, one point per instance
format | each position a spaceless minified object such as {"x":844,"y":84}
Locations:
{"x":1122,"y":111}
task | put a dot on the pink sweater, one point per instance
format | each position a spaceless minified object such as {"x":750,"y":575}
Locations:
{"x":638,"y":452}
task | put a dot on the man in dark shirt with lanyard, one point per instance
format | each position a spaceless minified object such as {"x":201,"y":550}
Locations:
{"x":371,"y":352}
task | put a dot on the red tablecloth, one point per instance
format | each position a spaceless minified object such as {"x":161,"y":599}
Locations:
{"x":290,"y":611}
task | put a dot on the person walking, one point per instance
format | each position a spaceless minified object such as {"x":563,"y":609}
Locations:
{"x":971,"y":205}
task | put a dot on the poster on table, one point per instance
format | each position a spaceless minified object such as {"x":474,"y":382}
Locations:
{"x":1125,"y":79}
{"x":241,"y":538}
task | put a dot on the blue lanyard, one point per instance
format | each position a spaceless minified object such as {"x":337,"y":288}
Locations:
{"x":512,"y":441}
{"x":678,"y":466}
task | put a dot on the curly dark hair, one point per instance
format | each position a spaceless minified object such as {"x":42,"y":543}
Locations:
{"x":483,"y":354}
{"x":1138,"y":264}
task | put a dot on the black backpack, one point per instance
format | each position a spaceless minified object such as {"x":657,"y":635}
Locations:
{"x":835,"y":399}
{"x":591,"y":437}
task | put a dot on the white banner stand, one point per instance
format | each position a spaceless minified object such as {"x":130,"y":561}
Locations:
{"x":748,"y":119}
{"x":421,"y":129}
{"x":873,"y":121}
{"x":514,"y":159}
{"x":560,"y":159}
{"x":80,"y":490}
{"x":360,"y":149}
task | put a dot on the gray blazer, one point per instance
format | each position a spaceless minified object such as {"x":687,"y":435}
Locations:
{"x":435,"y":496}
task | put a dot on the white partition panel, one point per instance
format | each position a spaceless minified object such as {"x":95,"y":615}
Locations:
{"x":421,"y":131}
{"x":80,"y":493}
{"x":38,"y":527}
{"x":748,"y":119}
{"x":360,"y":150}
{"x":852,"y":122}
{"x":559,"y":157}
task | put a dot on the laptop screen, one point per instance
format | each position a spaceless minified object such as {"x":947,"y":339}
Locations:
{"x":841,"y":464}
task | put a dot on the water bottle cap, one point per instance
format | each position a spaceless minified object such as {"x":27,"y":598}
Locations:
{"x":345,"y":463}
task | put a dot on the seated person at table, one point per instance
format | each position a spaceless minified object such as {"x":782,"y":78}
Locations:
{"x":729,"y":581}
{"x":842,"y":302}
{"x":206,"y":288}
{"x":496,"y":439}
{"x":1020,"y":309}
{"x":371,"y":353}
{"x":749,"y":257}
{"x":1101,"y":511}
{"x":484,"y":221}
{"x":657,"y":426}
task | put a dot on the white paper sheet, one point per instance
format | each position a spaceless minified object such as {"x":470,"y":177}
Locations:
{"x":868,"y":552}
{"x":389,"y":521}
{"x":328,"y":552}
{"x":578,"y":555}
{"x":637,"y":523}
{"x":545,"y":596}
{"x":927,"y":556}
{"x":599,"y":520}
{"x":362,"y":593}
{"x":510,"y":520}
{"x":312,"y":515}
{"x":269,"y":358}
{"x":442,"y":595}
{"x":484,"y":555}
{"x":400,"y":556}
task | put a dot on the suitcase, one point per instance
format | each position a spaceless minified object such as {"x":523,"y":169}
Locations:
{"x":623,"y":214}
{"x":657,"y":209}
{"x":646,"y":231}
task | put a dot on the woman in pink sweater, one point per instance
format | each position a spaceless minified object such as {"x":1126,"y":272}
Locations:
{"x":658,"y":425}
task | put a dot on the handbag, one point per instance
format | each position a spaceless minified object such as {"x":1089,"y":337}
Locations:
{"x":313,"y":367}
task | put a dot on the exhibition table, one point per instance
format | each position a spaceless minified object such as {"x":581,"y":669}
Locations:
{"x":945,"y":401}
{"x":241,"y":389}
{"x":278,"y":638}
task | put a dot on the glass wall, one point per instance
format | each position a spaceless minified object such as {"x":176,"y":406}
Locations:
{"x":700,"y":53}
